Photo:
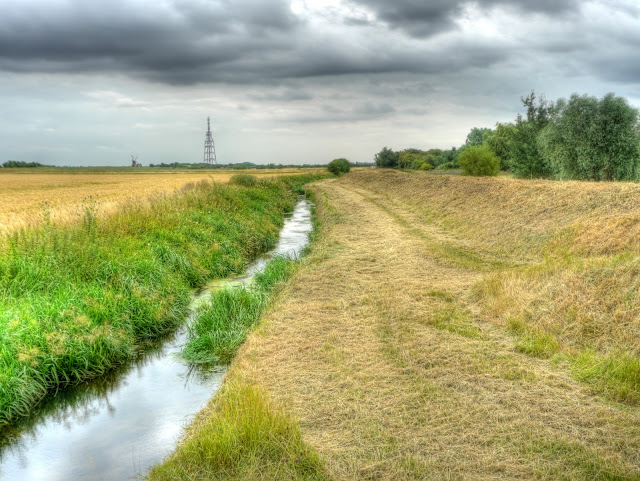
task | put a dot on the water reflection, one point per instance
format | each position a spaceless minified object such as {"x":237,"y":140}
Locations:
{"x":117,"y":426}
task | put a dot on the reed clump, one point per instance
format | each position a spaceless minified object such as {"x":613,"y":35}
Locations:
{"x":222,"y":325}
{"x":242,"y":435}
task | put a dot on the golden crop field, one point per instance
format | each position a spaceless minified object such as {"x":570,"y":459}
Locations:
{"x":26,"y":195}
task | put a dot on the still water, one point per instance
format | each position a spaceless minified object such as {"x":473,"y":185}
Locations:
{"x":116,"y":427}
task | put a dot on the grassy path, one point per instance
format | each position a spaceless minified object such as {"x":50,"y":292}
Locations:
{"x":378,"y":351}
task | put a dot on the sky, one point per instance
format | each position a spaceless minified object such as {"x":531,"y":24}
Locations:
{"x":292,"y":81}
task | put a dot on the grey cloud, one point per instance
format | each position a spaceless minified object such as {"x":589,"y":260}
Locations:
{"x":422,"y":18}
{"x":257,"y":42}
{"x":370,"y":109}
{"x":363,"y":111}
{"x":289,"y":95}
{"x":179,"y":41}
{"x":194,"y":41}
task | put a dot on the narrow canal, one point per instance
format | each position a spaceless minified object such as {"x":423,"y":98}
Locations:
{"x":116,"y":427}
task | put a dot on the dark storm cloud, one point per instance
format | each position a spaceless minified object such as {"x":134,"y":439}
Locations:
{"x":192,"y":41}
{"x":178,"y":41}
{"x":258,"y":41}
{"x":426,"y":18}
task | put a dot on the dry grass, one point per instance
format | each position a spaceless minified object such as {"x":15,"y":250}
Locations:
{"x":570,"y":258}
{"x":23,"y":192}
{"x":380,"y":351}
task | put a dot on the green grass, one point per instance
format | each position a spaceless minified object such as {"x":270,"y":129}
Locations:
{"x":579,"y":462}
{"x":242,"y":435}
{"x":76,"y":301}
{"x":615,"y":375}
{"x":221,"y":326}
{"x":451,"y":318}
{"x":538,"y":344}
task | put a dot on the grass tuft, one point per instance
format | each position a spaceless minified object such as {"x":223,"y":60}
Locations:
{"x":221,"y":326}
{"x":617,"y":376}
{"x":242,"y":435}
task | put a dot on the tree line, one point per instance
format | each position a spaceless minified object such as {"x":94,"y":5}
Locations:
{"x":582,"y":138}
{"x":18,"y":164}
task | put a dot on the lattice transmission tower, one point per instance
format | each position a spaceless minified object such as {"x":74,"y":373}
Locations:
{"x":209,"y":146}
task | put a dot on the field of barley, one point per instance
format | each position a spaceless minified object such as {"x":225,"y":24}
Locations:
{"x":28,"y":196}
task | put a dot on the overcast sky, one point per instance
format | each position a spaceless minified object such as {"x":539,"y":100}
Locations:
{"x":91,"y":82}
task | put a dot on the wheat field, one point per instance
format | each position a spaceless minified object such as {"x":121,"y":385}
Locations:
{"x":27,"y":197}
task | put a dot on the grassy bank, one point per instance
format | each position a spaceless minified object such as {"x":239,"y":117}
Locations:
{"x":561,"y":262}
{"x":77,"y":300}
{"x":221,"y":325}
{"x":241,"y":434}
{"x":382,"y":354}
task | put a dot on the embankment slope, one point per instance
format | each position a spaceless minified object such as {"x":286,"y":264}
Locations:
{"x":393,"y":347}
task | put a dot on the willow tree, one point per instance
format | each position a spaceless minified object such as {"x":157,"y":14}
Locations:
{"x":591,"y":138}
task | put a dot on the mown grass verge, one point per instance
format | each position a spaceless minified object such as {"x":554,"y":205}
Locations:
{"x":75,"y":301}
{"x":221,"y":326}
{"x":567,"y":283}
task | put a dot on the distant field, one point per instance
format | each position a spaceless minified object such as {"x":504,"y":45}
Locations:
{"x":23,"y":192}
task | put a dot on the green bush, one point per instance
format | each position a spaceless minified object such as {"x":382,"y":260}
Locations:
{"x":446,"y":166}
{"x":244,"y":180}
{"x":479,"y":160}
{"x":339,"y":166}
{"x":387,"y":158}
{"x":426,"y":166}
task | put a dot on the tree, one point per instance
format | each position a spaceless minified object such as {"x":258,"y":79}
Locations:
{"x":477,"y":136}
{"x":479,"y":160}
{"x":594,"y":139}
{"x":501,"y":143}
{"x":525,"y":158}
{"x":339,"y":166}
{"x":387,"y":158}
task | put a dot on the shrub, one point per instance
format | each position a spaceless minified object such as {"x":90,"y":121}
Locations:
{"x":426,"y":166}
{"x":479,"y":160}
{"x":387,"y":158}
{"x":339,"y":166}
{"x":501,"y":142}
{"x":244,"y":180}
{"x":446,"y":166}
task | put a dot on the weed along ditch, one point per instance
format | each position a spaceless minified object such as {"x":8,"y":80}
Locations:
{"x":119,"y":424}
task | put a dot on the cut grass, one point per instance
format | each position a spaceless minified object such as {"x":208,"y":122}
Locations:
{"x":559,"y":256}
{"x":363,"y":348}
